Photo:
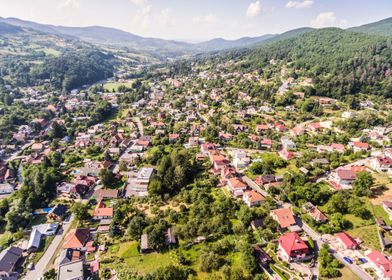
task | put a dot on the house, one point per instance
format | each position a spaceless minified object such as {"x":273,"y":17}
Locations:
{"x":359,"y":146}
{"x":34,"y":241}
{"x":338,"y":147}
{"x":349,"y":114}
{"x":266,"y":143}
{"x":105,"y":194}
{"x":286,"y":155}
{"x":381,"y":164}
{"x":47,"y":229}
{"x":284,"y":217}
{"x":57,"y":213}
{"x":240,"y":159}
{"x":381,"y":264}
{"x":144,"y":244}
{"x":76,"y":238}
{"x":102,"y":212}
{"x":253,"y":198}
{"x":37,"y":147}
{"x":261,"y":128}
{"x":65,"y":256}
{"x":347,"y":241}
{"x":6,"y":189}
{"x":236,"y":186}
{"x":256,"y":223}
{"x":315,"y":213}
{"x":265,"y":179}
{"x":297,"y":131}
{"x":174,"y":138}
{"x":387,"y":205}
{"x":292,"y":248}
{"x":342,"y":178}
{"x":288,"y":144}
{"x":139,"y":186}
{"x":8,"y":260}
{"x":71,"y":271}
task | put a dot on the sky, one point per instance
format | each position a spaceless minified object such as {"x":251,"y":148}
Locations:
{"x":196,"y":20}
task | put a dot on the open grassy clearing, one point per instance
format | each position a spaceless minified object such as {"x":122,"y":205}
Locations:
{"x":368,"y":235}
{"x":115,"y":85}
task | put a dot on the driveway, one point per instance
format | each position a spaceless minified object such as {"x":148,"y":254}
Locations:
{"x":44,"y":262}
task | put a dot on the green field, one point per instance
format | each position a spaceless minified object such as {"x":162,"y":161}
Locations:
{"x":114,"y":86}
{"x":126,"y":255}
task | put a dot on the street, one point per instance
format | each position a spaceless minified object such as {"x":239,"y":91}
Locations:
{"x":44,"y":262}
{"x":353,"y":267}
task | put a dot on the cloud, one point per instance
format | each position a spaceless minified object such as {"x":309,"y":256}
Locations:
{"x":327,"y":19}
{"x":147,"y":18}
{"x":254,"y":9}
{"x":209,"y":19}
{"x":72,"y":4}
{"x":299,"y":4}
{"x":138,"y":2}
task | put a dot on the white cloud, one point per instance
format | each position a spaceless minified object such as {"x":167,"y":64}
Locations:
{"x":72,"y":4}
{"x":209,"y":19}
{"x":254,"y":9}
{"x":328,"y":19}
{"x":299,"y":4}
{"x":147,"y":18}
{"x":138,"y":2}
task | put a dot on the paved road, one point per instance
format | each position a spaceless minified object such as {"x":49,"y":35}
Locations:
{"x":44,"y":262}
{"x":139,"y":125}
{"x":354,"y":268}
{"x":15,"y":155}
{"x":254,"y":186}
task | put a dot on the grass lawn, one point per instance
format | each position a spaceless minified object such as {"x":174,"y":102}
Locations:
{"x":347,"y":274}
{"x":42,"y":248}
{"x":114,"y":86}
{"x":4,"y":237}
{"x":368,"y":234}
{"x":379,"y":212}
{"x":142,"y":263}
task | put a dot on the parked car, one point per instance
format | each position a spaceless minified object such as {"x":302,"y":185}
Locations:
{"x":30,"y":266}
{"x":348,"y":260}
{"x":362,"y":260}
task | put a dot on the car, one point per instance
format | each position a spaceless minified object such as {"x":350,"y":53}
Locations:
{"x":362,"y":260}
{"x":30,"y":266}
{"x":348,"y":260}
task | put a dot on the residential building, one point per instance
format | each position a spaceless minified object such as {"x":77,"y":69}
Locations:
{"x":292,"y":248}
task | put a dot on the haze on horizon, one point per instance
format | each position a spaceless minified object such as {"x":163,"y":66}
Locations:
{"x":202,"y":19}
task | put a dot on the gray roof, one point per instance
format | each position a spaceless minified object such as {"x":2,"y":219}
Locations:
{"x":73,"y":270}
{"x":65,"y":256}
{"x":9,"y":257}
{"x":35,"y":239}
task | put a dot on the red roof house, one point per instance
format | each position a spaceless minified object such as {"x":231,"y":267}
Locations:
{"x":292,"y":247}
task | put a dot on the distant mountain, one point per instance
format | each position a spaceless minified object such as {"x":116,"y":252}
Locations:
{"x":382,"y":27}
{"x":9,"y":29}
{"x":220,"y":44}
{"x":101,"y":35}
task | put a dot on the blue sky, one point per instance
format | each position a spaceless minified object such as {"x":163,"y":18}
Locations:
{"x":200,"y":19}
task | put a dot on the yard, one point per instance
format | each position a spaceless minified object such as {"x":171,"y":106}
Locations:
{"x":127,"y":255}
{"x":347,"y":274}
{"x":382,"y":179}
{"x":368,"y":234}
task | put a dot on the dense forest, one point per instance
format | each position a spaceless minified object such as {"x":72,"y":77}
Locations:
{"x":340,"y":62}
{"x":74,"y":69}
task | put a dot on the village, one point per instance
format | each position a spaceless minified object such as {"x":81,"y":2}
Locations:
{"x":318,"y":167}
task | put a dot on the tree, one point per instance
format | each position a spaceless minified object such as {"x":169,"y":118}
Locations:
{"x":81,"y":211}
{"x":210,"y":261}
{"x":363,"y":184}
{"x":106,"y":176}
{"x":328,"y":265}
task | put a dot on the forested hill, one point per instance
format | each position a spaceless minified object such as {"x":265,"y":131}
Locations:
{"x":382,"y":27}
{"x":74,"y":69}
{"x":340,"y":62}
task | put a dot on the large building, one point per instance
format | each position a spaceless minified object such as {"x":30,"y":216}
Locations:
{"x":139,"y":186}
